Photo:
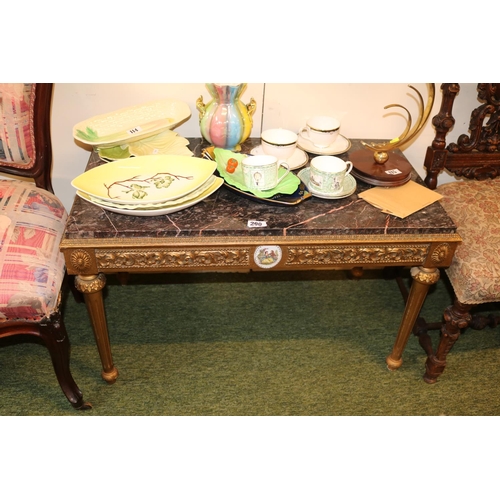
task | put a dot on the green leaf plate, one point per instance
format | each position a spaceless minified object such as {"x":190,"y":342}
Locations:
{"x":287,"y":186}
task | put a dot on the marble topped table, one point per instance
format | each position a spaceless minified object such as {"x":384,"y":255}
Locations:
{"x":220,"y":234}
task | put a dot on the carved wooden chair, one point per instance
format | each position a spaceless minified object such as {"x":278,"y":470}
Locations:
{"x":31,"y":225}
{"x":473,"y":202}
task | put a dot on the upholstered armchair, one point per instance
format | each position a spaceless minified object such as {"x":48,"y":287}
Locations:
{"x":32,"y":221}
{"x":473,"y":202}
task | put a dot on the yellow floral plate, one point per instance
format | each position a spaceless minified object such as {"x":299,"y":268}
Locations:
{"x":167,"y":208}
{"x":152,"y":206}
{"x":129,"y":124}
{"x":143,"y":180}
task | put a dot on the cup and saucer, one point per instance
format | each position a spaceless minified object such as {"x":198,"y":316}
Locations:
{"x":298,"y":159}
{"x":321,"y":136}
{"x":329,"y":177}
{"x":281,"y":143}
{"x":341,"y":145}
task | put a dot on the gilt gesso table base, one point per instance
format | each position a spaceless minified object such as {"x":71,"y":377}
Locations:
{"x":227,"y":232}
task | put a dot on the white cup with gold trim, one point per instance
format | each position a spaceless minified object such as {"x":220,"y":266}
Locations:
{"x":322,"y":131}
{"x":278,"y":142}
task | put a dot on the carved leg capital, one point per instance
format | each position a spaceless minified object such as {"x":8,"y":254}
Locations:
{"x":425,"y":275}
{"x":456,"y":316}
{"x":91,"y":283}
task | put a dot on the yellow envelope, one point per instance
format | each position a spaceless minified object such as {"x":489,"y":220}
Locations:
{"x":401,"y":201}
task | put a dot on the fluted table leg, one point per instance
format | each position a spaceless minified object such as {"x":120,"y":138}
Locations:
{"x":423,"y":278}
{"x":91,"y":286}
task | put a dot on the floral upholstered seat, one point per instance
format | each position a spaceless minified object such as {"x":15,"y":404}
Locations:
{"x":31,"y":265}
{"x":32,"y":221}
{"x":474,"y":206}
{"x":473,"y":202}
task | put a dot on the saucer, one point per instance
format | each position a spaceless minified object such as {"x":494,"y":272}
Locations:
{"x":297,"y":160}
{"x":341,"y":145}
{"x":348,"y":189}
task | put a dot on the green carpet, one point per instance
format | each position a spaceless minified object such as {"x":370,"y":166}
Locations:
{"x":255,"y":344}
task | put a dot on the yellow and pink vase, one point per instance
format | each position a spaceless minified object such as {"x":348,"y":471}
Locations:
{"x":225,"y":121}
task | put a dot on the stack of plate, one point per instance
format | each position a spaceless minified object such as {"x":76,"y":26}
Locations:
{"x":149,"y":185}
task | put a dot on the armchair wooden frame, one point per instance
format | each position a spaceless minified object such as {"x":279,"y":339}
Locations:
{"x":51,"y":331}
{"x":474,"y":157}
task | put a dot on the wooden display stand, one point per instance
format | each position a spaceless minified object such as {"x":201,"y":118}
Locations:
{"x":396,"y":171}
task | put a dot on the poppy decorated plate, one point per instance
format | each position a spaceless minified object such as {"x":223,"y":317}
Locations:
{"x":143,"y":180}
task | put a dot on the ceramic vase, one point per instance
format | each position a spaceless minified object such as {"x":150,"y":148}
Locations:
{"x":225,"y":121}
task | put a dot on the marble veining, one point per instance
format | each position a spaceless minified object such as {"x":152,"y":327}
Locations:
{"x":226,"y":213}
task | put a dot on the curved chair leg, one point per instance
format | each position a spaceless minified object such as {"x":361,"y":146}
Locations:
{"x":54,"y":335}
{"x":457,"y":317}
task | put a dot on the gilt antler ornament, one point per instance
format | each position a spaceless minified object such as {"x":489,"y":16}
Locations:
{"x":381,"y":150}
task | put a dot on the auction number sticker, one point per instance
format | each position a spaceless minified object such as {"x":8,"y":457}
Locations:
{"x":257,"y":223}
{"x":134,"y":131}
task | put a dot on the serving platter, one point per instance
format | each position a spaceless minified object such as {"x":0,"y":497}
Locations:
{"x":167,"y":208}
{"x":298,"y":196}
{"x":148,"y":206}
{"x":129,"y":124}
{"x":144,"y":180}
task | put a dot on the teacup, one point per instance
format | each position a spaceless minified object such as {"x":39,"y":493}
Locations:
{"x":261,"y":171}
{"x":327,"y":174}
{"x":278,"y":142}
{"x":322,"y":131}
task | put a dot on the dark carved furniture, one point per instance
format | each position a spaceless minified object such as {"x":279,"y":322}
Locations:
{"x":475,"y":156}
{"x":32,"y":221}
{"x":219,"y":235}
{"x":473,"y":202}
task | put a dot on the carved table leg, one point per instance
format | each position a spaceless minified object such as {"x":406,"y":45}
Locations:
{"x":91,"y":287}
{"x":456,"y":318}
{"x":423,"y":278}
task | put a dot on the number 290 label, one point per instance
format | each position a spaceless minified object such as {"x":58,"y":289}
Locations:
{"x":257,"y":223}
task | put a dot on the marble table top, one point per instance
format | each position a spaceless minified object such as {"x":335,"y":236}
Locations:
{"x":227,"y":213}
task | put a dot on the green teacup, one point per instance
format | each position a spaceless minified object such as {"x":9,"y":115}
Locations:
{"x":261,"y":171}
{"x":327,"y":174}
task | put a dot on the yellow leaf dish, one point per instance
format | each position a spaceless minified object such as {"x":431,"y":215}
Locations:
{"x":129,"y":124}
{"x":142,"y":180}
{"x":165,"y":143}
